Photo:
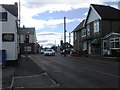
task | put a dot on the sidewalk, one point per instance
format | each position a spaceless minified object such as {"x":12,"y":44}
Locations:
{"x":29,"y":75}
{"x":26,"y":74}
{"x":100,"y":57}
{"x":106,"y":58}
{"x":7,"y":74}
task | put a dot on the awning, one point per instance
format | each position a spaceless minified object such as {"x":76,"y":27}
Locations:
{"x":96,"y":41}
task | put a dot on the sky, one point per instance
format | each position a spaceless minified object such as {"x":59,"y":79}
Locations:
{"x":47,"y":16}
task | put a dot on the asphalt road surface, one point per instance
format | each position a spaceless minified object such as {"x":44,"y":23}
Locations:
{"x":76,"y":72}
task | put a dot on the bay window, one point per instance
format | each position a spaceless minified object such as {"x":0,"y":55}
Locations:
{"x":115,"y":43}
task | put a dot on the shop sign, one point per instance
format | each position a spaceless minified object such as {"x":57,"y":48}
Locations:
{"x":8,"y":37}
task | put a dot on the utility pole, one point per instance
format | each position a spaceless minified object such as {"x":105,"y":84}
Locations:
{"x":69,"y":37}
{"x":64,"y":29}
{"x":19,"y":53}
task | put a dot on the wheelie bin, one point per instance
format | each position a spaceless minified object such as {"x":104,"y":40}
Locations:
{"x":4,"y":56}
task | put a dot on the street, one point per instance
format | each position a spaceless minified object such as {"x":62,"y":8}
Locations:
{"x":73,"y":72}
{"x":39,"y":71}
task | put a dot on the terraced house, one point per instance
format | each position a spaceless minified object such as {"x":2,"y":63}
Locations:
{"x":28,"y":40}
{"x":99,"y":33}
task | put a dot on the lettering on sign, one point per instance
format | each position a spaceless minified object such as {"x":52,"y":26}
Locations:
{"x":8,"y":37}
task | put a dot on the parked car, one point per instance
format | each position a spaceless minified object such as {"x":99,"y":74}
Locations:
{"x":42,"y":51}
{"x":49,"y":52}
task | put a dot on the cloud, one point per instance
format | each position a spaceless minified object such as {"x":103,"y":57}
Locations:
{"x":42,"y":41}
{"x":52,"y":38}
{"x":48,"y":33}
{"x":30,"y":8}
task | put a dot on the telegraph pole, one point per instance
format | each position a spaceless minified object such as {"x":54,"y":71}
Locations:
{"x":69,"y":37}
{"x":64,"y":29}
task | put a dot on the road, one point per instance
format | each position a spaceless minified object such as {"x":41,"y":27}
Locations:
{"x":76,"y":72}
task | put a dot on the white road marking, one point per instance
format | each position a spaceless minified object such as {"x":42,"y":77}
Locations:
{"x":45,"y":69}
{"x":109,"y":74}
{"x":17,"y":77}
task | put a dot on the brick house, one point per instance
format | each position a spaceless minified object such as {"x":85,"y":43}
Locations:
{"x":79,"y":35}
{"x":100,"y":21}
{"x":31,"y":45}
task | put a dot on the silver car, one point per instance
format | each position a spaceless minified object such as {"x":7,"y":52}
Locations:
{"x":49,"y":52}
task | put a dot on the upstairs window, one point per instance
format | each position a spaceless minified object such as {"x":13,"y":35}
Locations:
{"x":75,"y":35}
{"x":96,"y":26}
{"x":88,"y":30}
{"x":3,"y":16}
{"x":83,"y":33}
{"x":84,"y":46}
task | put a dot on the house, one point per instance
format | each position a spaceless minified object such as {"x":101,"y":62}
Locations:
{"x":9,"y":28}
{"x":78,"y":37}
{"x":100,"y":21}
{"x":111,"y":44}
{"x":28,"y":40}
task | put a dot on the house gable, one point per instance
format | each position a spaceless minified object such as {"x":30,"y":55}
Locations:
{"x":92,"y":15}
{"x":13,"y":9}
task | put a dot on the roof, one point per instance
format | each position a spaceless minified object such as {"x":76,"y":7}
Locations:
{"x":80,"y":26}
{"x":29,"y":31}
{"x":107,"y":12}
{"x":112,"y":33}
{"x":13,"y":9}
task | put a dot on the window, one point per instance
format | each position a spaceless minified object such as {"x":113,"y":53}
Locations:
{"x":85,"y":46}
{"x":75,"y":35}
{"x":96,"y":26}
{"x":104,"y":44}
{"x":88,"y":30}
{"x":27,"y":48}
{"x":115,"y":43}
{"x":83,"y":33}
{"x":3,"y":16}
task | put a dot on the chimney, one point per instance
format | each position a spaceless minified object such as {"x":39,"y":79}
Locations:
{"x":16,"y":3}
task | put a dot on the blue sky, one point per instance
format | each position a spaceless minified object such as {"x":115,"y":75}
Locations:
{"x":72,"y":14}
{"x":47,"y":16}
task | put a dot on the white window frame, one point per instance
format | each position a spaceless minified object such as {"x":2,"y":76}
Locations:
{"x":85,"y":46}
{"x":113,"y":40}
{"x":96,"y":26}
{"x":28,"y":48}
{"x":88,"y":30}
{"x":83,"y":33}
{"x":75,"y":35}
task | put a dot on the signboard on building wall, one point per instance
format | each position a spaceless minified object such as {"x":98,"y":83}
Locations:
{"x":7,"y":37}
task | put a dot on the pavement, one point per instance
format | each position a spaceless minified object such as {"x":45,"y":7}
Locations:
{"x":100,"y":57}
{"x":7,"y":74}
{"x":105,"y":58}
{"x":26,"y":74}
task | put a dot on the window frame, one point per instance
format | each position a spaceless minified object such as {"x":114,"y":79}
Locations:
{"x":96,"y":27}
{"x":3,"y":16}
{"x":88,"y":30}
{"x":83,"y":32}
{"x":113,"y":42}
